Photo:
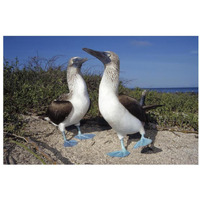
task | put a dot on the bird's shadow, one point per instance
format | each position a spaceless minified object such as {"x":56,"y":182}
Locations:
{"x":96,"y":123}
{"x":89,"y":126}
{"x":150,"y":133}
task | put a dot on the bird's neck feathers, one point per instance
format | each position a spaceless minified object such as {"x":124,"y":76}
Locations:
{"x":110,"y":78}
{"x":75,"y":80}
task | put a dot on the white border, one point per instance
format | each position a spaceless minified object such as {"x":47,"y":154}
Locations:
{"x":98,"y":18}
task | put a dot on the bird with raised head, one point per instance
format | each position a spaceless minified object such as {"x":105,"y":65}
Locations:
{"x":124,"y":114}
{"x":68,"y":109}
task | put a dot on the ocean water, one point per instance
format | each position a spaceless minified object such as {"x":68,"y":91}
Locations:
{"x":174,"y":90}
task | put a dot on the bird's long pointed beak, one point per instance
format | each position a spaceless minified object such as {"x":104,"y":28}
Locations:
{"x":97,"y":54}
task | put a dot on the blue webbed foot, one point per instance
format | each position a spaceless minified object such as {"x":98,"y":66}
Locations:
{"x":122,"y":153}
{"x":143,"y":142}
{"x":70,"y":143}
{"x":84,"y":136}
{"x":81,"y":136}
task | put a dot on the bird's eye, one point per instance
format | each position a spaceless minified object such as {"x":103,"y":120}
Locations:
{"x":108,"y":54}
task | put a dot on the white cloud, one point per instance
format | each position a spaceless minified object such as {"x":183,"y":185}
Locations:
{"x":194,"y":52}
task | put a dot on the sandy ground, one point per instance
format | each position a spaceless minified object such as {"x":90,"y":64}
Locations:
{"x":167,"y":148}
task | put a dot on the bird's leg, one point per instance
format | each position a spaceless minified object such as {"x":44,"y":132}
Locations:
{"x":122,"y":145}
{"x":79,"y":130}
{"x":122,"y":153}
{"x":81,"y":136}
{"x":63,"y":133}
{"x":67,"y":143}
{"x":143,"y":141}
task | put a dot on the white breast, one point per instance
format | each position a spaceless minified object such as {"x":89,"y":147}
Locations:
{"x":115,"y":113}
{"x":80,"y":101}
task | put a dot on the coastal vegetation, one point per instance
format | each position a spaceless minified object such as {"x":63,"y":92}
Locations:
{"x":30,"y":87}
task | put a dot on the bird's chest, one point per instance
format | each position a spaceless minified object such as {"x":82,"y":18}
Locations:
{"x":80,"y":105}
{"x":109,"y":107}
{"x":117,"y":115}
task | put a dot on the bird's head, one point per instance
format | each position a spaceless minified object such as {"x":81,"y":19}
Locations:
{"x":77,"y":62}
{"x":105,"y":57}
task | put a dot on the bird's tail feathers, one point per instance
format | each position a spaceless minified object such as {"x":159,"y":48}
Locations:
{"x":44,"y":117}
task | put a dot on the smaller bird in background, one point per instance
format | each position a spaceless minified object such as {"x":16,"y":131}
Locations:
{"x":68,"y":109}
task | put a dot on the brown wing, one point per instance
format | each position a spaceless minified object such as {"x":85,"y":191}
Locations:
{"x":58,"y":111}
{"x":133,"y":106}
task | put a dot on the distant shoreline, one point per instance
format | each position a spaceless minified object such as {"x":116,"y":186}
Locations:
{"x":173,"y":90}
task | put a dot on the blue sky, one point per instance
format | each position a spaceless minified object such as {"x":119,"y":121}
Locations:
{"x":147,"y":61}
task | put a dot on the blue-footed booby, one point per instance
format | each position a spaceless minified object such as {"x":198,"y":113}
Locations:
{"x":68,"y":109}
{"x":113,"y":108}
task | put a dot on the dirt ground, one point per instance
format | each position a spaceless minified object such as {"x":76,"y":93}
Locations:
{"x":46,"y":141}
